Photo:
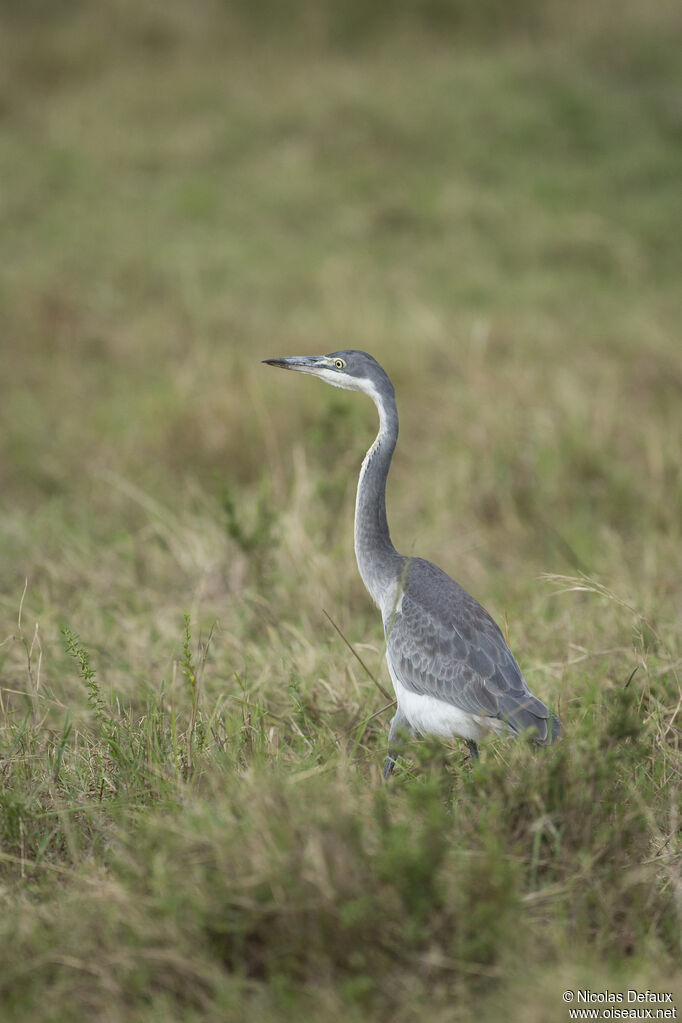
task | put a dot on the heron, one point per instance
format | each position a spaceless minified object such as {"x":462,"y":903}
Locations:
{"x":453,"y":673}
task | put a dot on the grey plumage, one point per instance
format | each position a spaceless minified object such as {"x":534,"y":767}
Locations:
{"x":452,"y":670}
{"x":444,"y":644}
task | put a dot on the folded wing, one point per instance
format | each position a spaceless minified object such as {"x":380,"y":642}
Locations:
{"x":442,"y":643}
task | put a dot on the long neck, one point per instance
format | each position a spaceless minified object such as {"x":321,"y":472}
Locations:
{"x":378,"y":560}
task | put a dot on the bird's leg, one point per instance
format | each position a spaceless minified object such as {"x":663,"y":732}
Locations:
{"x":389,"y":764}
{"x":473,"y":749}
{"x":398,"y":724}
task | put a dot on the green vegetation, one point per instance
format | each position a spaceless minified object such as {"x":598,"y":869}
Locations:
{"x":483,"y":195}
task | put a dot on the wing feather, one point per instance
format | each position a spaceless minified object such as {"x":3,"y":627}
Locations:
{"x":443,"y":643}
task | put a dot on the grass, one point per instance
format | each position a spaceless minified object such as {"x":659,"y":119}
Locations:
{"x":192,"y":819}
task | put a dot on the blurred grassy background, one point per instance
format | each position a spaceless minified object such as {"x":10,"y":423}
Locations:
{"x":482,"y":195}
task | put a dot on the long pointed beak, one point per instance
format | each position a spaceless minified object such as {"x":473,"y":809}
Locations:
{"x":302,"y":363}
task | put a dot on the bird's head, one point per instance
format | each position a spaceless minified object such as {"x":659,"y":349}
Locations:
{"x":353,"y":370}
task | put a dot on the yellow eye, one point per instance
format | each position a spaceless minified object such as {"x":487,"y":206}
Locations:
{"x":339,"y":363}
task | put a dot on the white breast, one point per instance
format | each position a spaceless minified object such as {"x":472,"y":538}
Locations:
{"x":390,"y":600}
{"x":427,"y":715}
